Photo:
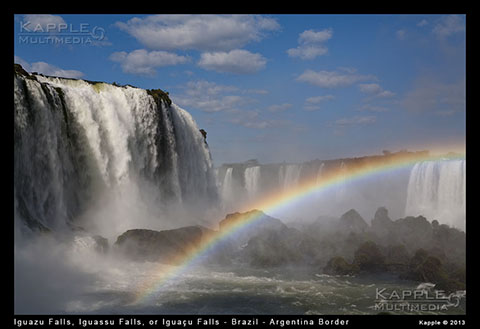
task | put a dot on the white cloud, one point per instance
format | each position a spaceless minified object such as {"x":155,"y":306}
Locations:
{"x":370,"y":88}
{"x":279,"y":107}
{"x":319,"y":99}
{"x":235,"y":61}
{"x":356,"y":120}
{"x":48,"y":69}
{"x":199,"y":32}
{"x":385,"y":94}
{"x":312,"y":103}
{"x":332,"y":79}
{"x":210,"y":97}
{"x":311,"y":36}
{"x":375,"y":90}
{"x":448,"y":25}
{"x":343,"y":125}
{"x":202,"y":87}
{"x":307,"y":52}
{"x":423,"y":22}
{"x":311,"y":44}
{"x":373,"y":108}
{"x":249,"y":119}
{"x":42,"y":23}
{"x":252,"y":119}
{"x":401,"y":34}
{"x":143,"y":62}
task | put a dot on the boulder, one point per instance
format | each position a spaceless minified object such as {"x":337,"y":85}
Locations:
{"x":381,"y":224}
{"x":101,"y":244}
{"x":272,"y":248}
{"x":448,"y":277}
{"x":241,"y":227}
{"x":169,"y":246}
{"x":425,"y":268}
{"x":351,"y":221}
{"x":339,"y":266}
{"x":413,"y":232}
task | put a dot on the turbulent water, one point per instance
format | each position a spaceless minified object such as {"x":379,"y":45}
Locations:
{"x":437,"y":190}
{"x":114,"y":286}
{"x":77,"y":142}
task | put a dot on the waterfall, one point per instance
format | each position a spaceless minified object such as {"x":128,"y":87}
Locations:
{"x":75,"y":139}
{"x":252,"y":178}
{"x":341,"y":189}
{"x":227,"y":185}
{"x":436,"y":190}
{"x":320,"y":172}
{"x":289,"y":175}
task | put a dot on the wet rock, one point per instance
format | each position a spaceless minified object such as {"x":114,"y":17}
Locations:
{"x":241,"y":227}
{"x":170,"y":246}
{"x":101,"y":244}
{"x":339,"y":266}
{"x":381,"y":224}
{"x":351,"y":221}
{"x":273,"y":247}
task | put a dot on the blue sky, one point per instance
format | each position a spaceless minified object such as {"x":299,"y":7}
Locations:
{"x":275,"y":87}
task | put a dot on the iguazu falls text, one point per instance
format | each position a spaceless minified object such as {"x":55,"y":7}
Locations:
{"x":180,"y":322}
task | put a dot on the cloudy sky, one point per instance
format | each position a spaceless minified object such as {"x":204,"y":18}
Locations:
{"x":275,"y":87}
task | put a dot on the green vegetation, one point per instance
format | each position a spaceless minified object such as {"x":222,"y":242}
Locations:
{"x":160,"y":95}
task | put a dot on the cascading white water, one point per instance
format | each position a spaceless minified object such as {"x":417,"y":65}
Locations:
{"x":227,"y":185}
{"x":320,"y":172}
{"x":289,"y":175}
{"x":437,"y":190}
{"x":74,"y":139}
{"x":252,"y":179}
{"x":341,"y":190}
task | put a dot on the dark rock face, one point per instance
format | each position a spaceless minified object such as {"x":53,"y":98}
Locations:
{"x":101,"y":244}
{"x":351,"y":221}
{"x":261,"y":240}
{"x":381,"y":224}
{"x":204,"y":134}
{"x":414,"y":232}
{"x":274,"y":248}
{"x":163,"y":246}
{"x":249,"y":225}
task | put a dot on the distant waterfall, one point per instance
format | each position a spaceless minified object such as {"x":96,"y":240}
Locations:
{"x":320,"y":172}
{"x":227,"y":185}
{"x":252,"y":180}
{"x":341,"y":190}
{"x":73,"y":139}
{"x":289,"y":175}
{"x":437,"y":190}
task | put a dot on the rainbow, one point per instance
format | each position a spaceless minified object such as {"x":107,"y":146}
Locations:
{"x":164,"y":273}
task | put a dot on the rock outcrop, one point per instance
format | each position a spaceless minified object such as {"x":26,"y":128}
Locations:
{"x":351,"y":221}
{"x":170,"y":246}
